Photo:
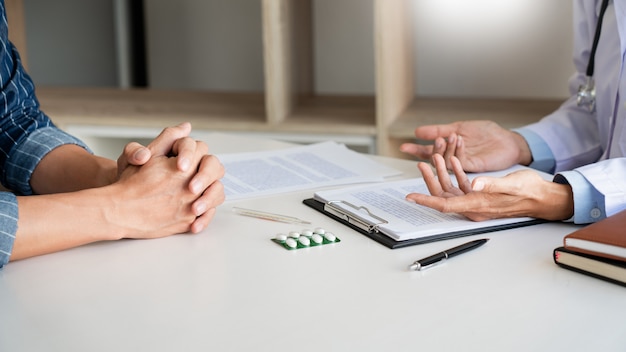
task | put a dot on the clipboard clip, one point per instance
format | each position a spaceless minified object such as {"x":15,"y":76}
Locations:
{"x":353,"y":218}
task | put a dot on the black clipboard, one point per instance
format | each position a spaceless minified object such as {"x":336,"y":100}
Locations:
{"x":389,"y":242}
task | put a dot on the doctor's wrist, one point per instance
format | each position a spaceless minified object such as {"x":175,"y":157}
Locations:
{"x":524,"y":157}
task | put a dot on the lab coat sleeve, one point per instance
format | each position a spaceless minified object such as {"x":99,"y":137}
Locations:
{"x":543,"y":159}
{"x":607,"y":194}
{"x":588,"y":202}
{"x":571,"y":135}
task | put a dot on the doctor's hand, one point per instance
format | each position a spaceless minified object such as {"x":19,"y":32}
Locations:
{"x":480,"y":146}
{"x":518,"y":194}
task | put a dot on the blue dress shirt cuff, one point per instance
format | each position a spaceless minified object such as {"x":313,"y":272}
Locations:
{"x":588,"y":202}
{"x":543,"y":159}
{"x":26,"y":156}
{"x":8,"y":225}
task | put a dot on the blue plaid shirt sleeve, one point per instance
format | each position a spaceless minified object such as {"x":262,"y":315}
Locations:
{"x":26,"y":136}
{"x":28,"y":153}
{"x":8,"y":225}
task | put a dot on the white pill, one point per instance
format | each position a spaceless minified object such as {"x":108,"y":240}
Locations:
{"x":307,"y":233}
{"x":317,"y":238}
{"x":320,"y":230}
{"x":294,"y":234}
{"x":291,"y":243}
{"x":281,"y":237}
{"x":304,"y":241}
{"x":330,"y":237}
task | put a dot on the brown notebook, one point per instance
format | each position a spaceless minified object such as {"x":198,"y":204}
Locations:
{"x":605,"y":238}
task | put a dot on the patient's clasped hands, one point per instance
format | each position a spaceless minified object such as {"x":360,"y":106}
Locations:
{"x":173,"y":184}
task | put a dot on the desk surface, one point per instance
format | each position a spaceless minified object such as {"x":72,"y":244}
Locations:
{"x":232,"y":289}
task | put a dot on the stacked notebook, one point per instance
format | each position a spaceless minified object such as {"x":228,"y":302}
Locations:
{"x":598,"y":250}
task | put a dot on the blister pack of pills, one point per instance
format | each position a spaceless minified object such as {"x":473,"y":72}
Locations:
{"x":305,"y":238}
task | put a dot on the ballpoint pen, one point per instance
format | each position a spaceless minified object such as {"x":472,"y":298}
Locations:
{"x":435,"y":259}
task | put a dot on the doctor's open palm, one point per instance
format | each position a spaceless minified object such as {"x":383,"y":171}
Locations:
{"x":480,"y":146}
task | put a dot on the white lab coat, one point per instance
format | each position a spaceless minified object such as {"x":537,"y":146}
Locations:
{"x":594,"y":144}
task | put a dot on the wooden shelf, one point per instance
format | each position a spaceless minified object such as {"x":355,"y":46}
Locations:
{"x":205,"y":110}
{"x":143,"y":107}
{"x":509,"y":113}
{"x":335,"y":114}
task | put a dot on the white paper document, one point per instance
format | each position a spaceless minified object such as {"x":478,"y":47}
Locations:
{"x":298,"y":168}
{"x":383,"y":207}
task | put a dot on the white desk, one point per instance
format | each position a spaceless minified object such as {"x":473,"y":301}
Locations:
{"x":232,"y":289}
